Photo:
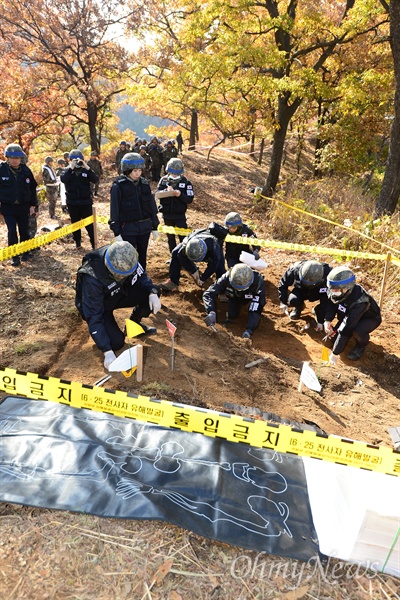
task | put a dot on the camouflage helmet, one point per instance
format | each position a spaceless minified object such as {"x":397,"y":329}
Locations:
{"x":174,"y":166}
{"x":13,"y":151}
{"x":48,"y":159}
{"x":75,"y":154}
{"x":340,"y":281}
{"x":196,"y":249}
{"x":233,"y":219}
{"x":311,"y":272}
{"x":131,"y":161}
{"x":121,"y":259}
{"x":241,"y":276}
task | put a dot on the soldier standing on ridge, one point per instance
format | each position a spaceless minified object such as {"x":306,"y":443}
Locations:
{"x":52,"y":185}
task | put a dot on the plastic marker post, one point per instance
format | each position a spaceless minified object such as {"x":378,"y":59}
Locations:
{"x":171,"y":331}
{"x":129,"y":361}
{"x":309,"y":378}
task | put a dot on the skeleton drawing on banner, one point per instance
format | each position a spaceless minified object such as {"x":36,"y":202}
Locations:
{"x":136,"y":465}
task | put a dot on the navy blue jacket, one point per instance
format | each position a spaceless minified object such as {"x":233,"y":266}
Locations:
{"x":255,"y":296}
{"x":358,"y":305}
{"x":17,"y":187}
{"x":174,"y":207}
{"x":77,"y":185}
{"x":132,"y":207}
{"x":291,"y":278}
{"x":233,"y":250}
{"x":97,"y":292}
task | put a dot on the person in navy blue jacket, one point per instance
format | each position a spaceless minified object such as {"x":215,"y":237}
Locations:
{"x":174,"y":193}
{"x":133,"y":211}
{"x":242,"y":286}
{"x":198,"y":246}
{"x":77,"y":179}
{"x":18,"y":199}
{"x":110,"y":278}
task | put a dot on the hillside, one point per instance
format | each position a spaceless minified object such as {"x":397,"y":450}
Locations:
{"x":42,"y":333}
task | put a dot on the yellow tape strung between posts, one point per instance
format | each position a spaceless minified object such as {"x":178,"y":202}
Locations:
{"x":261,"y":434}
{"x":305,"y":212}
{"x":47,"y":238}
{"x":291,"y":247}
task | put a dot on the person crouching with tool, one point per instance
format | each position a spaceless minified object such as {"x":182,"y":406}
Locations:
{"x":357,"y":313}
{"x":242,"y":286}
{"x":110,"y":278}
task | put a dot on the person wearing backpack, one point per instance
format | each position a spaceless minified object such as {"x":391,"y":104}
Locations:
{"x":110,"y":278}
{"x":198,"y":246}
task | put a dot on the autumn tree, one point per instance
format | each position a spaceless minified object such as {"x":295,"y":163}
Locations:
{"x":75,"y":42}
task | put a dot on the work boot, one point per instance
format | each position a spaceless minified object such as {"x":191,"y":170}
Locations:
{"x":15,"y":261}
{"x":147,"y":330}
{"x":356,"y":353}
{"x":295,"y":313}
{"x":168,"y":286}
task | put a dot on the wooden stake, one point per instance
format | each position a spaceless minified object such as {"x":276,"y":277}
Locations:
{"x":385,"y":274}
{"x":139,"y":364}
{"x":96,"y":237}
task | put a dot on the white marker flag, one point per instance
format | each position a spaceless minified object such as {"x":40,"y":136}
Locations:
{"x":248,"y":259}
{"x":309,"y":378}
{"x":125,"y":361}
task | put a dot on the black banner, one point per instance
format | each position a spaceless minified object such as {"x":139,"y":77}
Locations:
{"x":57,"y":457}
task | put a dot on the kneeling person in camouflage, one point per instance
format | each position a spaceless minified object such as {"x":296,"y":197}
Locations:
{"x":111,"y":277}
{"x":242,"y":286}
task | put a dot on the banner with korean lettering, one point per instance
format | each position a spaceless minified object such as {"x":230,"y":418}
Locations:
{"x":57,"y":457}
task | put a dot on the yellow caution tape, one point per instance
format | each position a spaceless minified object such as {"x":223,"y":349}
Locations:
{"x":319,"y":218}
{"x":41,"y":240}
{"x":261,"y":434}
{"x":291,"y":247}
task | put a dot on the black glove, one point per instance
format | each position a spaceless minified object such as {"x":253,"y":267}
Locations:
{"x":256,"y":254}
{"x":210,"y":319}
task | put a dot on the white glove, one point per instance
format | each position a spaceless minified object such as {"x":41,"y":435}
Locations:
{"x":109,"y":357}
{"x":328,"y":328}
{"x":154,"y":235}
{"x":333,"y":358}
{"x":196,"y":277}
{"x":86,"y":166}
{"x":319,"y":327}
{"x":154,"y":303}
{"x":72,"y":164}
{"x":118,"y":238}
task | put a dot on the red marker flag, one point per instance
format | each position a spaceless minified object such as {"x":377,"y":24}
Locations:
{"x":171,"y":328}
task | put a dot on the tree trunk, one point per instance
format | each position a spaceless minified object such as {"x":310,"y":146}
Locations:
{"x":390,"y":191}
{"x":92,"y":112}
{"x":260,"y":158}
{"x":285,"y":113}
{"x":194,"y":130}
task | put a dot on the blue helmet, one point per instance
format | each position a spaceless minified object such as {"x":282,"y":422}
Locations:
{"x":196,"y":249}
{"x":75,"y":154}
{"x":174,"y":166}
{"x":131,"y":161}
{"x":13,"y":151}
{"x":233,"y":219}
